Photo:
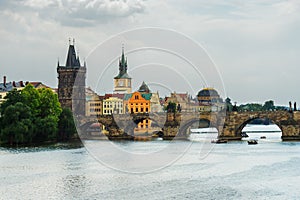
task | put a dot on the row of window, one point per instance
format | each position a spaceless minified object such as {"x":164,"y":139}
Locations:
{"x":111,"y":111}
{"x":141,"y":104}
{"x":110,"y":106}
{"x":95,"y":104}
{"x":109,"y":102}
{"x":95,"y":110}
{"x":139,"y":110}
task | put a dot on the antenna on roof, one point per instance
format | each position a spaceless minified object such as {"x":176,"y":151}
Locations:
{"x":73,"y":41}
{"x":69,"y":41}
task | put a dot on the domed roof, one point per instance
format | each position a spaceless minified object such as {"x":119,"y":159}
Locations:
{"x":207,"y":92}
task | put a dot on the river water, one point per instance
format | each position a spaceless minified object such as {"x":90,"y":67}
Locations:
{"x":236,"y":170}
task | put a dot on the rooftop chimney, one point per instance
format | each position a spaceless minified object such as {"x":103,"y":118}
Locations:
{"x":4,"y":81}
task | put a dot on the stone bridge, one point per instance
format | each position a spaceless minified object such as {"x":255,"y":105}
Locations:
{"x":288,"y":122}
{"x":177,"y":125}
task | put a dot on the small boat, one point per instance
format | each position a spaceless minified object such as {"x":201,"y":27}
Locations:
{"x":252,"y":142}
{"x":244,"y":134}
{"x":219,"y":141}
{"x":263,"y":137}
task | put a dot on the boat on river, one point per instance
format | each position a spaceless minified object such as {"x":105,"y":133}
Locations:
{"x":251,"y":142}
{"x":219,"y":141}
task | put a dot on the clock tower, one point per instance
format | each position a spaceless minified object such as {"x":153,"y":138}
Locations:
{"x":122,"y":82}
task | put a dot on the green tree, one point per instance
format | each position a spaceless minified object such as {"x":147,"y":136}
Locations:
{"x":269,"y":105}
{"x":228,"y":104}
{"x":11,"y":98}
{"x":66,"y":125}
{"x":17,"y":124}
{"x":29,"y":115}
{"x":171,"y":107}
{"x":250,"y":107}
{"x":31,"y":98}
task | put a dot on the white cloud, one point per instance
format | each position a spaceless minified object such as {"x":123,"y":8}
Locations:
{"x":249,"y":39}
{"x":84,"y":12}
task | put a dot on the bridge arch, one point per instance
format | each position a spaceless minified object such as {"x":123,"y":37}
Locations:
{"x":271,"y":117}
{"x":204,"y":123}
{"x":185,"y":126}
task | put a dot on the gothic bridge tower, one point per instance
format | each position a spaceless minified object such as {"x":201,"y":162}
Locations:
{"x":71,"y":82}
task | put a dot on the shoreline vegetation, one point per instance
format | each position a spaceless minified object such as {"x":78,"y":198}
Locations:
{"x":34,"y":117}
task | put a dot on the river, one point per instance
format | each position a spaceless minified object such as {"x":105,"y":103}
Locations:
{"x":199,"y":170}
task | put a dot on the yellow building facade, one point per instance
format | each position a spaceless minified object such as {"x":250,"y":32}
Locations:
{"x":112,"y":105}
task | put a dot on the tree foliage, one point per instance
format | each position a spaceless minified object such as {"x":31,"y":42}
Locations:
{"x":228,"y":104}
{"x":66,"y":125}
{"x":171,"y":107}
{"x":29,"y":116}
{"x":267,"y":106}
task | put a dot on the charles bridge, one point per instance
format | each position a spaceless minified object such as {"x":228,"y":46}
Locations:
{"x":177,"y":125}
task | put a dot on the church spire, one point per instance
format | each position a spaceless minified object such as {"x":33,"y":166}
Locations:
{"x":122,"y":66}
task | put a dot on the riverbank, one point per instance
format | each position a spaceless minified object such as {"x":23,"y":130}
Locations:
{"x":74,"y":143}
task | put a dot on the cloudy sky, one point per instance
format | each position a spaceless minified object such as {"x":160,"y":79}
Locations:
{"x":255,"y":44}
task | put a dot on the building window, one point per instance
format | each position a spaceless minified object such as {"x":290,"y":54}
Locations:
{"x":136,"y":109}
{"x":146,"y":109}
{"x":142,"y":109}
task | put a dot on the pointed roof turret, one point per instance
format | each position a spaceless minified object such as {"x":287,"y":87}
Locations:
{"x":72,"y":59}
{"x":122,"y":66}
{"x":144,"y":88}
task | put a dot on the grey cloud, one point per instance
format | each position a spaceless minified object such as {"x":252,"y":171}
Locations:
{"x":77,"y":13}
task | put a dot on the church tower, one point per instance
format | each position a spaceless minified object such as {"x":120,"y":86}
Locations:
{"x":71,"y":82}
{"x":122,"y":82}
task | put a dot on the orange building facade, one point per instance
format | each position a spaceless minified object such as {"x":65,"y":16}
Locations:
{"x":139,"y":103}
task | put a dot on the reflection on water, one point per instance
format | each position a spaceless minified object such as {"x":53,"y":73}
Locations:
{"x":272,"y":133}
{"x":234,"y":170}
